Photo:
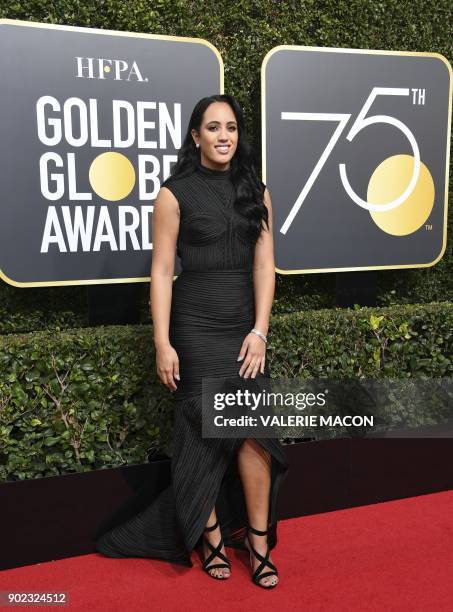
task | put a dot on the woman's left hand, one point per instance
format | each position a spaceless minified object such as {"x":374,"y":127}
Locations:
{"x":253,"y":351}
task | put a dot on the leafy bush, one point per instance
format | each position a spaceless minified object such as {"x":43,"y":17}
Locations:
{"x":90,"y":398}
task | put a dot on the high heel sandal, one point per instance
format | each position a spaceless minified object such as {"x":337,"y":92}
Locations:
{"x":215,"y":552}
{"x":258,"y":574}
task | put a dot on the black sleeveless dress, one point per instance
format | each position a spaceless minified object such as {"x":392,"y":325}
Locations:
{"x":212,"y":311}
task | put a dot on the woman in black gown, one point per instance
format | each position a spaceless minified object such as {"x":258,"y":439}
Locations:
{"x":211,"y":321}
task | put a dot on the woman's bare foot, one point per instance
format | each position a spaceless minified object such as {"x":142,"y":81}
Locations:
{"x":259,"y":543}
{"x":214,"y":538}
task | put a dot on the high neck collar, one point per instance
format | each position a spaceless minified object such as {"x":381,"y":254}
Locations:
{"x":213,"y":174}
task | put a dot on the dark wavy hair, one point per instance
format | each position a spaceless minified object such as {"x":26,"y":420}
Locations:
{"x":249,"y":188}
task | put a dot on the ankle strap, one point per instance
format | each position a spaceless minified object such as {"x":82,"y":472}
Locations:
{"x":257,"y":531}
{"x":216,"y":524}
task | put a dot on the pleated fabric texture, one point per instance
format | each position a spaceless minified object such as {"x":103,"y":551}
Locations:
{"x":212,"y":311}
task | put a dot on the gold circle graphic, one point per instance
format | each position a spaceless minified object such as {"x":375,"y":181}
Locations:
{"x":112,"y":176}
{"x":389,"y":180}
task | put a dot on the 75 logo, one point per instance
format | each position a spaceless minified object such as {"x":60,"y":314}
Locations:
{"x":399,"y":182}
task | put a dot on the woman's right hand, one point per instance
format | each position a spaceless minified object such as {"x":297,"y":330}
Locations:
{"x":167,"y":364}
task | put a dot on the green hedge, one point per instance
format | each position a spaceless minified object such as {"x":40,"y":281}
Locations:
{"x":244,"y":31}
{"x":90,"y":398}
{"x":78,"y":400}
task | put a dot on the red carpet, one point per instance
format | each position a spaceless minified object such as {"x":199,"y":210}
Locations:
{"x":391,"y":556}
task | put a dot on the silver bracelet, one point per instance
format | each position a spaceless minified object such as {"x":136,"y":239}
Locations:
{"x":260,"y":334}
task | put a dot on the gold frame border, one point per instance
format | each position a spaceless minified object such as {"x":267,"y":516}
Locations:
{"x":447,"y":161}
{"x":83,"y":30}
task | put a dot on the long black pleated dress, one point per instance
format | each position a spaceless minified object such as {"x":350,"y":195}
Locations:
{"x":212,"y":311}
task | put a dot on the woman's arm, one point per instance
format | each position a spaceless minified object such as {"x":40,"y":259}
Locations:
{"x":264,"y":273}
{"x":164,"y":237}
{"x":253,"y":347}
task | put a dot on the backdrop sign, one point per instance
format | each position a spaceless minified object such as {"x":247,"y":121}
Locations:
{"x":356,"y":157}
{"x":91,"y":124}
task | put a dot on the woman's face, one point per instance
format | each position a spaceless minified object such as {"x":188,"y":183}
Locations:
{"x":218,"y":136}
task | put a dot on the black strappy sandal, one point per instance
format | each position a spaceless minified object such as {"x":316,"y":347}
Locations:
{"x":258,"y":574}
{"x":215,"y":552}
